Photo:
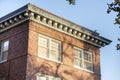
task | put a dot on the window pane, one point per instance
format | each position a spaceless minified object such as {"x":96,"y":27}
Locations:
{"x":43,"y":52}
{"x":78,"y":57}
{"x":54,"y":55}
{"x":4,"y":50}
{"x":5,"y":45}
{"x":78,"y":53}
{"x":43,"y":47}
{"x":78,"y":62}
{"x":55,"y":50}
{"x":88,"y":66}
{"x":4,"y":55}
{"x":87,"y":56}
{"x":43,"y":42}
{"x":55,"y":45}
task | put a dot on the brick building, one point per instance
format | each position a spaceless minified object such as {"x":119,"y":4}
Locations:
{"x":38,"y":45}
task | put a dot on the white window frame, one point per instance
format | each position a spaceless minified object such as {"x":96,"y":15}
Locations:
{"x":91,"y":62}
{"x":1,"y":52}
{"x":49,"y":48}
{"x":83,"y":65}
{"x":38,"y":75}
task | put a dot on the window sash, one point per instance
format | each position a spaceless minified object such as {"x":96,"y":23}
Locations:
{"x":51,"y":47}
{"x":87,"y":56}
{"x":83,"y":59}
{"x":88,"y":66}
{"x":78,"y":57}
{"x":55,"y":51}
{"x":4,"y":50}
{"x":4,"y":56}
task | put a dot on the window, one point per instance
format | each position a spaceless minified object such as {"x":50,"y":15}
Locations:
{"x":4,"y":51}
{"x":78,"y":57}
{"x":46,"y":77}
{"x":83,"y":59}
{"x":88,"y":61}
{"x":49,"y":48}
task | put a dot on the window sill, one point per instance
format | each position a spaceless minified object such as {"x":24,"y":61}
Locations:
{"x":3,"y":61}
{"x":50,"y":59}
{"x":84,"y":69}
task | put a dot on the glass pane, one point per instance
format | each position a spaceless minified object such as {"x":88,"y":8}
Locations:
{"x":78,"y":62}
{"x":55,"y":46}
{"x":87,"y":56}
{"x":54,"y":55}
{"x":43,"y":52}
{"x":5,"y":45}
{"x":55,"y":50}
{"x":4,"y":55}
{"x":43,"y":42}
{"x":88,"y":66}
{"x":78,"y":53}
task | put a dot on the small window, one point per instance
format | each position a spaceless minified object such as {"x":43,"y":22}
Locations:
{"x":49,"y":48}
{"x":4,"y":51}
{"x":83,"y":59}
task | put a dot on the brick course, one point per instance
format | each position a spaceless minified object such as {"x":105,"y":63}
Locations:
{"x":65,"y":69}
{"x":15,"y":67}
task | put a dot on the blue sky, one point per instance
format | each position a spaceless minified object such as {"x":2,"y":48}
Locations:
{"x":91,"y":14}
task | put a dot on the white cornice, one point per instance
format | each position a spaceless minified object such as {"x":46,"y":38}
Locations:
{"x":31,"y":12}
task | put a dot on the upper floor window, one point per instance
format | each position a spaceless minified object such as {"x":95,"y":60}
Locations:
{"x":49,"y":48}
{"x":4,"y":50}
{"x":83,"y":59}
{"x":46,"y":77}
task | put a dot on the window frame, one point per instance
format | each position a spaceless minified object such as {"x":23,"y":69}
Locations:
{"x":38,"y":75}
{"x":83,"y":60}
{"x":1,"y":51}
{"x":49,"y":48}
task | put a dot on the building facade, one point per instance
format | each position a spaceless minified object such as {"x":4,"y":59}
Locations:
{"x":38,"y":45}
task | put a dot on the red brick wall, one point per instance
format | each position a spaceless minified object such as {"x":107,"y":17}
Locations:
{"x":15,"y":67}
{"x":65,"y":69}
{"x":19,"y":63}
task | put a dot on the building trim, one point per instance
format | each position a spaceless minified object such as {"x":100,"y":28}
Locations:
{"x":31,"y":12}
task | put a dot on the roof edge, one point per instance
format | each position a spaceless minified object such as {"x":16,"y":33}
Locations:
{"x":31,"y":12}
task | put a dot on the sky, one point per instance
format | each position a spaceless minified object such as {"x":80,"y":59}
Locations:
{"x":90,"y":14}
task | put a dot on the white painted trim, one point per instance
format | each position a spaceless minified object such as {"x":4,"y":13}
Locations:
{"x":1,"y":52}
{"x":82,"y":68}
{"x":49,"y":48}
